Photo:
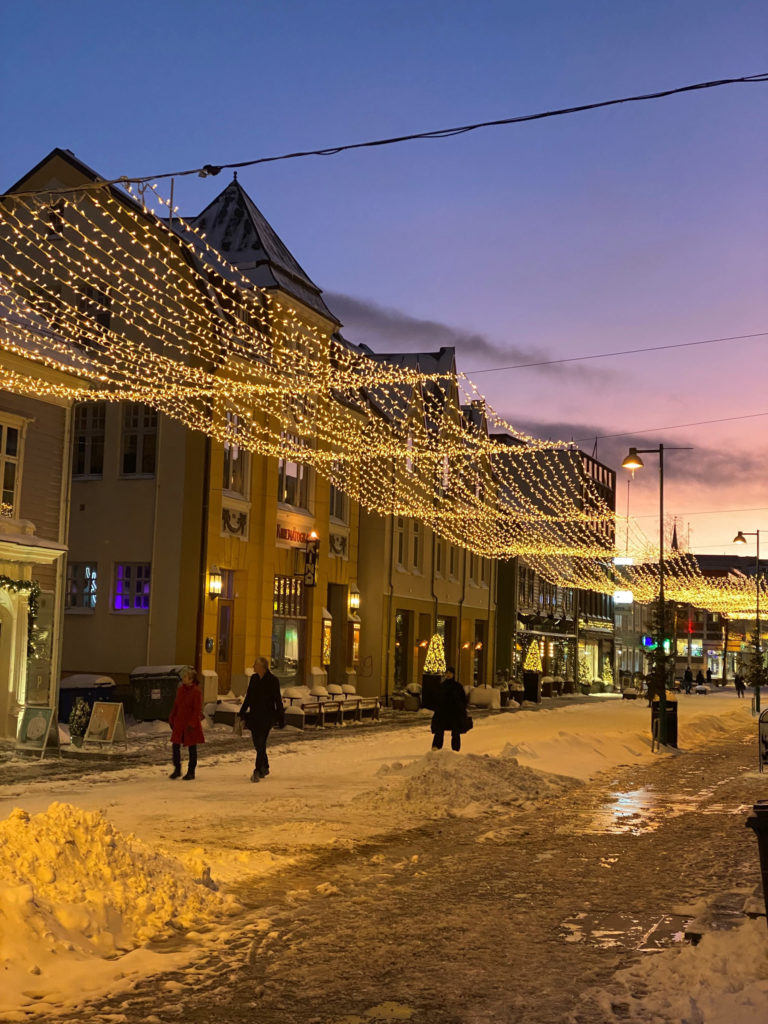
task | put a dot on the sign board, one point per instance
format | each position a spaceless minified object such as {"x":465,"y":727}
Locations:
{"x":106,"y":725}
{"x":34,"y":728}
{"x":622,"y":597}
{"x":762,"y":739}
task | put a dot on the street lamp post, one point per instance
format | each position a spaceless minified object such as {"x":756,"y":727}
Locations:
{"x":633,"y":461}
{"x":741,"y":538}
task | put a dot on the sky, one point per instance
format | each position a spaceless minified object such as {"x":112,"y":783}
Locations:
{"x":637,"y":226}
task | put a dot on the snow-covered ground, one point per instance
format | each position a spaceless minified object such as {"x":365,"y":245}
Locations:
{"x":108,"y":877}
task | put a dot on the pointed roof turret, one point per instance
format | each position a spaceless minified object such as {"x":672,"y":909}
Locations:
{"x":235,"y":227}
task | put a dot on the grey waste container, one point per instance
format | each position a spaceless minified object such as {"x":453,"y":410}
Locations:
{"x":154,"y":690}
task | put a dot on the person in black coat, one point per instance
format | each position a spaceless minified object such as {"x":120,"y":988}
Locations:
{"x":261,"y":709}
{"x":451,"y":712}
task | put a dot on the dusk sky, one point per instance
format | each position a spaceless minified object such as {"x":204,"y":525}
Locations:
{"x":640,"y":225}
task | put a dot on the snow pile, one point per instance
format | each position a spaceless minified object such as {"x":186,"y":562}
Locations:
{"x":74,"y":890}
{"x":441,"y":783}
{"x":722,"y":980}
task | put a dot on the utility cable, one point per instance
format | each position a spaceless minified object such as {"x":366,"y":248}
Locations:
{"x":673,"y":426}
{"x":621,"y":352}
{"x":442,"y":133}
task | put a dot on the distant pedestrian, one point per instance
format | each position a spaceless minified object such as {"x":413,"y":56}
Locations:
{"x":261,"y":709}
{"x":709,"y":676}
{"x":688,"y":679}
{"x":185,"y":718}
{"x":451,"y":712}
{"x":738,"y":682}
{"x":700,"y":678}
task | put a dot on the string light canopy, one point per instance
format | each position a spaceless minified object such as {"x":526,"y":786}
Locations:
{"x":98,"y":286}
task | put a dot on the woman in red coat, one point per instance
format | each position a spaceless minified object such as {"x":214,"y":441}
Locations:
{"x":186,"y":716}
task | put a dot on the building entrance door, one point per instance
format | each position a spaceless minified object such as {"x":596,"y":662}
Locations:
{"x":224,"y":645}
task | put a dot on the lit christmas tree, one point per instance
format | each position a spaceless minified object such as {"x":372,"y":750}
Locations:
{"x":435,"y":661}
{"x":585,"y":669}
{"x":532,"y":661}
{"x":607,"y":670}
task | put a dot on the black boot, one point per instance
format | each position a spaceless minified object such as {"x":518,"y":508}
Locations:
{"x":176,"y":773}
{"x":190,"y":775}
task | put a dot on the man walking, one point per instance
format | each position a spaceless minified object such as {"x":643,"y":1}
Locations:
{"x":262,"y":708}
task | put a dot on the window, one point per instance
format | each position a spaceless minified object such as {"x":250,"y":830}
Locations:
{"x":88,"y":439}
{"x":338,"y":504}
{"x":438,"y":558}
{"x":452,"y":562}
{"x":400,"y":540}
{"x":81,"y":585}
{"x":132,"y":586}
{"x":417,"y":544}
{"x":139,"y":440}
{"x":10,"y":465}
{"x":293,"y":481}
{"x":236,"y":461}
{"x":94,"y":306}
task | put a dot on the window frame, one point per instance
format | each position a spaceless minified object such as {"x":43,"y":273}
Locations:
{"x":84,"y":588}
{"x":88,"y":432}
{"x":304,"y":481}
{"x":141,"y":431}
{"x":10,"y":422}
{"x":234,"y":452}
{"x":136,"y":581}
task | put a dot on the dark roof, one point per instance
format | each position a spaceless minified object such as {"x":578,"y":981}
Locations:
{"x":235,"y":227}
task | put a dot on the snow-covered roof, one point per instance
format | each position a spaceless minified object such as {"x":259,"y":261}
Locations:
{"x":235,"y":227}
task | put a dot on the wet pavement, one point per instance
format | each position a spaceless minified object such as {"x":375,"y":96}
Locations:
{"x":496,"y":919}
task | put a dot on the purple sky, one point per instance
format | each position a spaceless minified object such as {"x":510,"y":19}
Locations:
{"x":639,"y":225}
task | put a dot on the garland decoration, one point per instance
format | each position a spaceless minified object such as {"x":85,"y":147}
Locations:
{"x":32,"y":589}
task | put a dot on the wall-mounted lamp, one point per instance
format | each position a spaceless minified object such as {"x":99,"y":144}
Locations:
{"x":354,"y":599}
{"x":423,"y":643}
{"x":479,"y":645}
{"x":214,"y":582}
{"x":465,"y":646}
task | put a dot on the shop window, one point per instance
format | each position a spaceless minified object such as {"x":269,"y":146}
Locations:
{"x":402,"y":647}
{"x":288,"y":629}
{"x":88,"y":439}
{"x":139,"y":440}
{"x":82,"y":586}
{"x":132,"y":582}
{"x":10,"y":466}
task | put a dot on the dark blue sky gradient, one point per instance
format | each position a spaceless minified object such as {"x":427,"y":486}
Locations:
{"x":644,"y":224}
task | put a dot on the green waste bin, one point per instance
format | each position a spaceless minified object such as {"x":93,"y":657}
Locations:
{"x":154,"y":691}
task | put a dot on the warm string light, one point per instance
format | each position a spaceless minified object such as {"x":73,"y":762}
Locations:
{"x":100,"y":288}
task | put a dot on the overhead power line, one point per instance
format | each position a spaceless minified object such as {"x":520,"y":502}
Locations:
{"x":441,"y":133}
{"x":672,"y":426}
{"x":620,"y":352}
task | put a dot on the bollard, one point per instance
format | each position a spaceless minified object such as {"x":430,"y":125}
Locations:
{"x":758,"y":822}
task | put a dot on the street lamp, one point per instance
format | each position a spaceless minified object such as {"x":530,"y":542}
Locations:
{"x":633,"y":461}
{"x":741,"y":538}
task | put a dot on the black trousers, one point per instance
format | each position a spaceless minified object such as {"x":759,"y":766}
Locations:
{"x":259,"y":736}
{"x":192,"y":756}
{"x":437,"y":739}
